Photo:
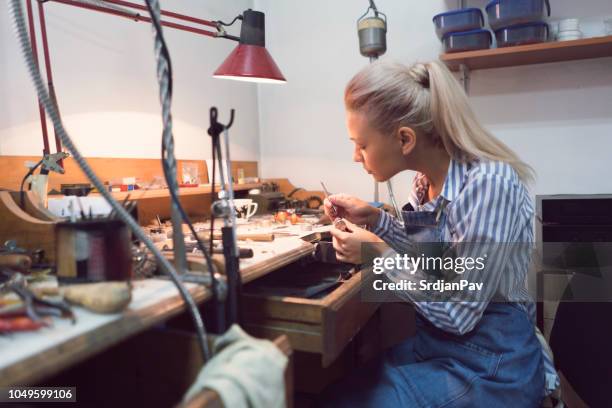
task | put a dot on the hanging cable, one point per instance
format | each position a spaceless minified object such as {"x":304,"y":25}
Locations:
{"x":238,"y":17}
{"x":164,"y":76}
{"x":23,"y":181}
{"x":43,"y":94}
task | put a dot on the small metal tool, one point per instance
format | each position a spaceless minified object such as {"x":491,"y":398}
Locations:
{"x":327,"y":196}
{"x":35,"y":307}
{"x":338,"y":222}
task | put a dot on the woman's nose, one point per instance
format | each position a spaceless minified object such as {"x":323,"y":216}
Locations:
{"x":357,"y":156}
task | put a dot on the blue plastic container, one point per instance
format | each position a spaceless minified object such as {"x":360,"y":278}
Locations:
{"x":522,"y":34}
{"x":467,"y":40}
{"x":458,"y":20}
{"x":504,"y":13}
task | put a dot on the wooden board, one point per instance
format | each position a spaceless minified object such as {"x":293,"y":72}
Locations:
{"x":143,"y":194}
{"x":29,"y":357}
{"x":32,"y":207}
{"x":586,"y":48}
{"x":12,"y":170}
{"x":264,"y":260}
{"x":26,"y":358}
{"x":29,"y":232}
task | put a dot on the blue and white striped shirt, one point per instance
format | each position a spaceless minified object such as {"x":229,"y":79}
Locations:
{"x":485,"y":202}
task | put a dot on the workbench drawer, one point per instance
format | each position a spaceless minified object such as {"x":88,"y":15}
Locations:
{"x":324,"y":325}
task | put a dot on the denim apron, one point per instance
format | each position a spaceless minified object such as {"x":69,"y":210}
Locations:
{"x":497,"y":364}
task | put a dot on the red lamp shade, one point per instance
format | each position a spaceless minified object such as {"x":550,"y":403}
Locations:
{"x":250,"y":63}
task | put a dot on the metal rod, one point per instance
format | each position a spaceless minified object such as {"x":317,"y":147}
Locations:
{"x":41,"y":109}
{"x":394,"y":203}
{"x":138,"y":17}
{"x":230,"y":187}
{"x":178,"y":239}
{"x":373,"y":58}
{"x":465,"y":77}
{"x":230,"y":245}
{"x":45,"y":44}
{"x":164,"y":13}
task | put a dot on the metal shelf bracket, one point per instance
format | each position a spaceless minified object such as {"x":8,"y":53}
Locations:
{"x":464,"y":71}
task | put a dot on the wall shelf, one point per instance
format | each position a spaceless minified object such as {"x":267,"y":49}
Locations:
{"x":184,"y":191}
{"x":597,"y":47}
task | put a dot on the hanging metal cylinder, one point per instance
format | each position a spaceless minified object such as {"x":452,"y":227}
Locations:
{"x":372,"y":34}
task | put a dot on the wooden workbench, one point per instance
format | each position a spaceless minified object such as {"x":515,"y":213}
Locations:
{"x":26,"y":358}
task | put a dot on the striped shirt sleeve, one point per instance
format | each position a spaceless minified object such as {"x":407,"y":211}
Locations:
{"x":485,"y":212}
{"x":390,"y":230}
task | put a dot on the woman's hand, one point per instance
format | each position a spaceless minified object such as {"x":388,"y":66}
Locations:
{"x":348,"y":243}
{"x":352,"y":209}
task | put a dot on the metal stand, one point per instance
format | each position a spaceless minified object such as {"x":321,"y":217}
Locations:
{"x":224,"y":208}
{"x":465,"y":77}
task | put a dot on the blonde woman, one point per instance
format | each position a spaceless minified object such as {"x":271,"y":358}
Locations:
{"x":469,"y":188}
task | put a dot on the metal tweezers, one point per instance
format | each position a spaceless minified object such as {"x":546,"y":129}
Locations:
{"x":338,"y":222}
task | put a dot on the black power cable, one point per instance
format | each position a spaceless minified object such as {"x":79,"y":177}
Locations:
{"x":21,"y":190}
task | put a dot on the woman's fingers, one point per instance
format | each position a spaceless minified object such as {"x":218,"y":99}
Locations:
{"x":340,"y":200}
{"x":338,"y":233}
{"x":338,"y":247}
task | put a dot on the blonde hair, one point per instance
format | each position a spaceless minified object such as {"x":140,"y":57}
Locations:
{"x":427,"y":98}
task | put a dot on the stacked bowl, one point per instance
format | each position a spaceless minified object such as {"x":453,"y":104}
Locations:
{"x":569,"y":29}
{"x":462,"y":30}
{"x":517,"y":22}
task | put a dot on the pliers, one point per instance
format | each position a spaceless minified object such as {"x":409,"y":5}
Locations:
{"x":34,"y":306}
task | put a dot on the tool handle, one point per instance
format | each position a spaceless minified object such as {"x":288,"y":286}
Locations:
{"x":19,"y":262}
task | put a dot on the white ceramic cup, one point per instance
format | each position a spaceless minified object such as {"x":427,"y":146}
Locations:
{"x":245,"y":208}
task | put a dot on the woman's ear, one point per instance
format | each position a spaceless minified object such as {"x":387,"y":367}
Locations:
{"x":407,"y":139}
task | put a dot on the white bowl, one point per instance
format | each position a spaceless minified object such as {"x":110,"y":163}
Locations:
{"x":569,"y":24}
{"x":570,"y":32}
{"x":568,"y":38}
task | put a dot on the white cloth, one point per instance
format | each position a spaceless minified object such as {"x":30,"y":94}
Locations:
{"x":246,"y":372}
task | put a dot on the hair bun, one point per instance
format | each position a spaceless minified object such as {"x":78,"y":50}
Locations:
{"x":420,"y":74}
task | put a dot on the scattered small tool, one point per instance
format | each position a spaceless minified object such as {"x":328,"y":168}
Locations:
{"x":20,"y":262}
{"x":20,"y":324}
{"x":34,"y":306}
{"x":10,"y":248}
{"x":243,"y":253}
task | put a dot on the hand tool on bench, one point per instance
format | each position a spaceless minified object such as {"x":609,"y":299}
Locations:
{"x":34,"y":306}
